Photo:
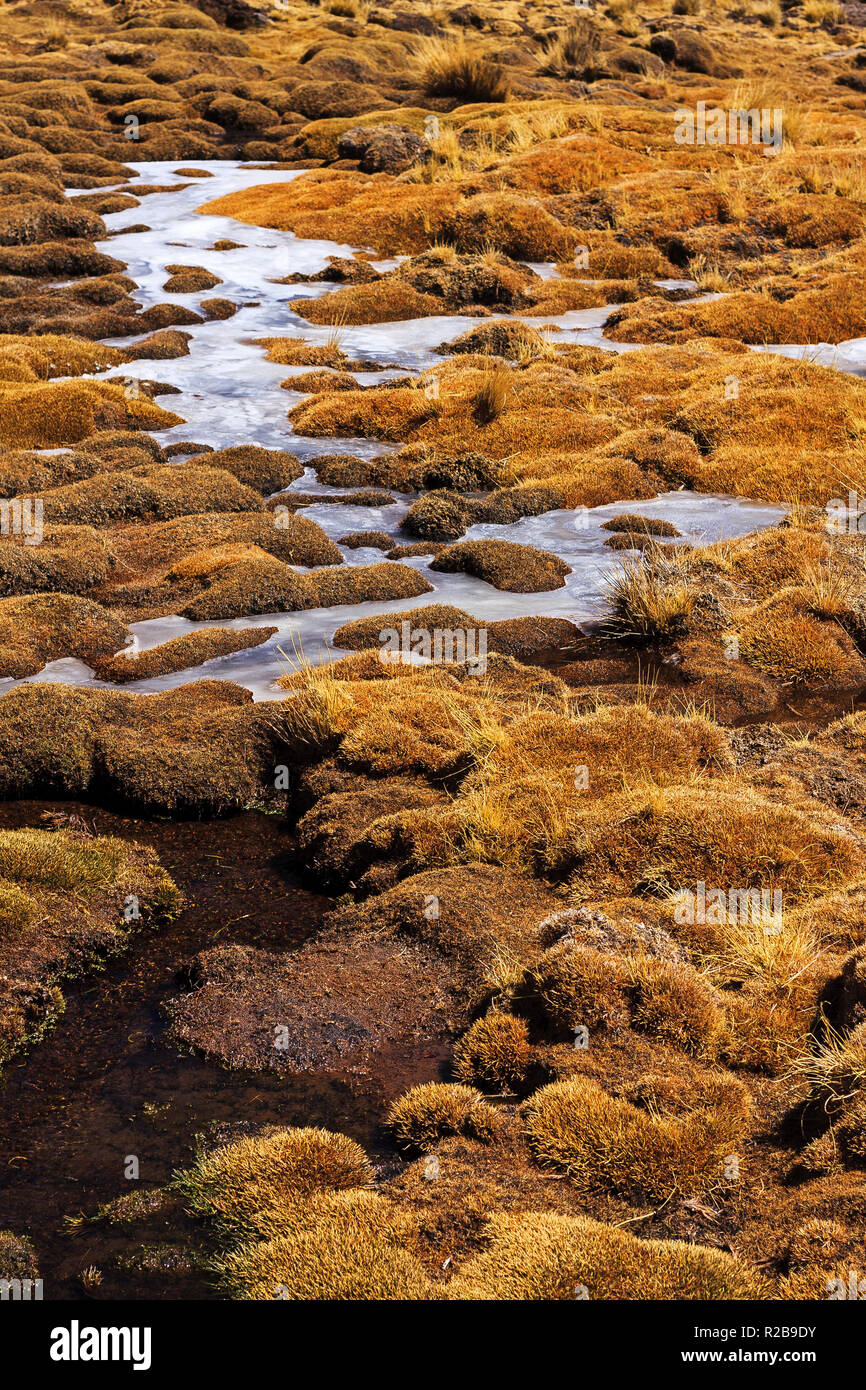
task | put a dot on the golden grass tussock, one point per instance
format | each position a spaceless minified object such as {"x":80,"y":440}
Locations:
{"x":835,"y":1069}
{"x":82,"y":865}
{"x":345,"y":1246}
{"x":429,"y":1113}
{"x":540,"y":1256}
{"x":494,"y":1053}
{"x":413,"y":727}
{"x":724,"y":832}
{"x":579,"y":987}
{"x":53,"y":355}
{"x":648,"y":599}
{"x":609,"y":1145}
{"x":524,"y":801}
{"x":48,"y":415}
{"x":492,"y":395}
{"x":785,"y":638}
{"x":250,"y":1189}
{"x":572,"y":54}
{"x":454,"y":67}
{"x":559,"y":425}
{"x":401,"y":218}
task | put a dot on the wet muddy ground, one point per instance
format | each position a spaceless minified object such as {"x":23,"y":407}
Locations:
{"x":104,"y":1087}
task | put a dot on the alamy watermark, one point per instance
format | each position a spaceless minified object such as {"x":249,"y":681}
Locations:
{"x":847,"y":515}
{"x":712,"y":125}
{"x":22,"y":516}
{"x":438,"y":645}
{"x":729,"y":907}
{"x":20,"y":1290}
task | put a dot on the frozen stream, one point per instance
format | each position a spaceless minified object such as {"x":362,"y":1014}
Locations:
{"x":231,"y":395}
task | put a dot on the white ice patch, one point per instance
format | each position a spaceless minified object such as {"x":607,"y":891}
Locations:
{"x":230,"y":394}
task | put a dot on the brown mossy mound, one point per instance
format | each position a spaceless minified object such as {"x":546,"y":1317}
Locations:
{"x":45,"y":627}
{"x":151,"y":493}
{"x":737,"y":438}
{"x":631,"y":540}
{"x":348,"y":829}
{"x":376,"y":540}
{"x":266,"y":470}
{"x":476,"y":916}
{"x":521,"y":569}
{"x":505,"y":338}
{"x":518,"y":637}
{"x":27,"y":473}
{"x":293,"y":500}
{"x":293,"y":539}
{"x":543,"y":408}
{"x":68,"y":901}
{"x":297,"y":352}
{"x":242,"y":581}
{"x":218,"y":308}
{"x":420,"y":467}
{"x":398,"y":218}
{"x":386,"y":301}
{"x":261,"y":1011}
{"x":201,"y":749}
{"x":438,"y":516}
{"x":70,"y":559}
{"x":34,"y":220}
{"x":191,"y":649}
{"x":322,"y":380}
{"x":189,"y":279}
{"x":539,"y":1256}
{"x":437,"y":282}
{"x":640,"y":525}
{"x":44,"y":416}
{"x":164,"y":345}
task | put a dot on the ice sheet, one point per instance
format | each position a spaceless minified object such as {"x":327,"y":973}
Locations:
{"x":230,"y":394}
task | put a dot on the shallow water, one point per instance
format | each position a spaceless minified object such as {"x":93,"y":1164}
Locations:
{"x":575,"y":536}
{"x":230,"y":395}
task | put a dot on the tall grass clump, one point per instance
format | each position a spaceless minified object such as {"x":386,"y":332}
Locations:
{"x":493,"y":395}
{"x":644,"y":602}
{"x":451,"y":67}
{"x":573,"y":53}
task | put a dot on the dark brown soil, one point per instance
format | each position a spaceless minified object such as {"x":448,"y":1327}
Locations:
{"x":105,"y":1085}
